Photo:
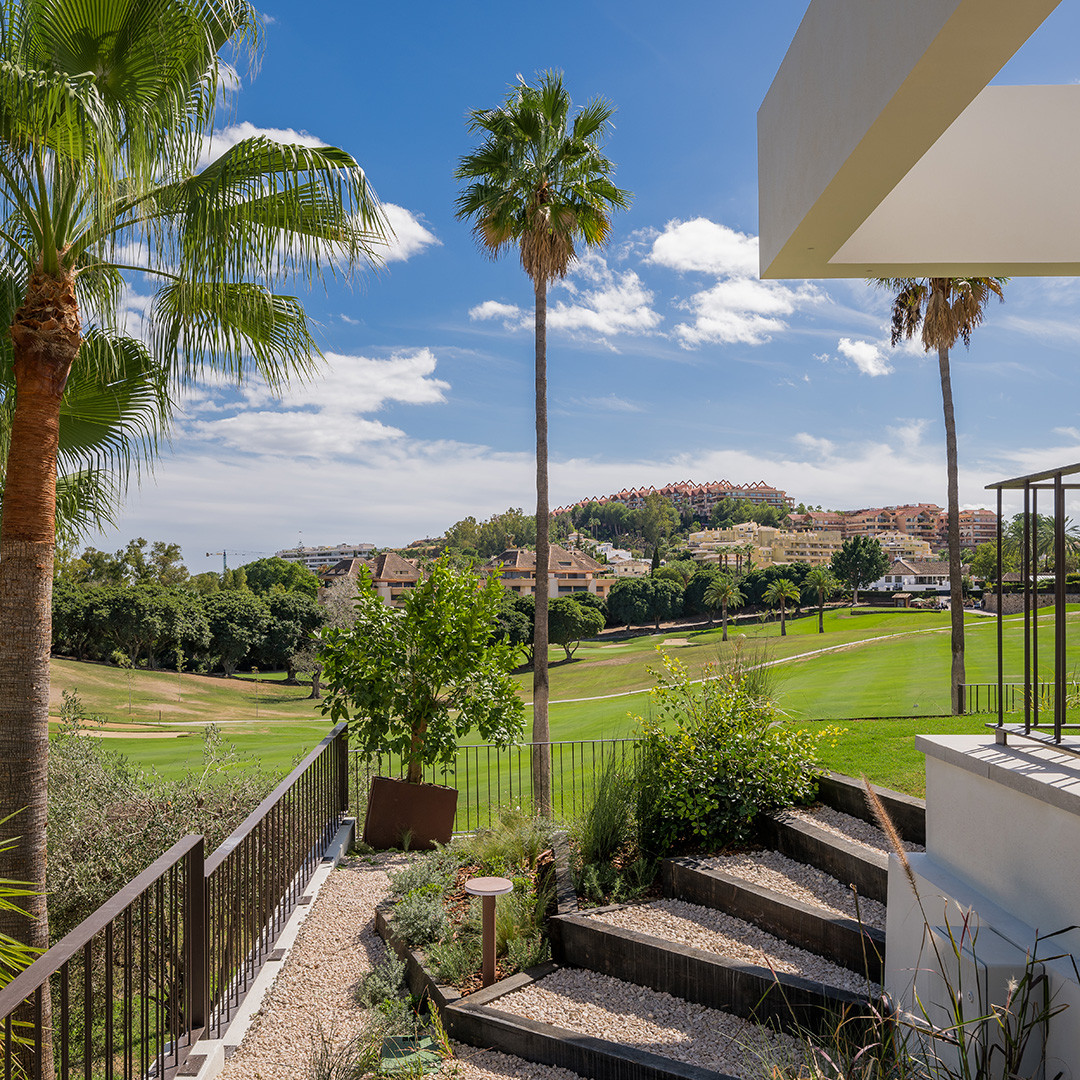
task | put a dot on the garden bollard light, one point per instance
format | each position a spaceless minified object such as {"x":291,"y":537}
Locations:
{"x":488,"y":888}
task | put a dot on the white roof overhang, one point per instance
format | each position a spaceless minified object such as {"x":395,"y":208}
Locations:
{"x":883,"y":152}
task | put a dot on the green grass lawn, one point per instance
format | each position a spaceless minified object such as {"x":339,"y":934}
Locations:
{"x":868,"y":664}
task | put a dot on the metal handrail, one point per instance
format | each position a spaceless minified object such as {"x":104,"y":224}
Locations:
{"x":249,"y":824}
{"x":50,"y":962}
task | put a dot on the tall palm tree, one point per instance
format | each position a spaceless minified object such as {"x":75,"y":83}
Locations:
{"x":540,"y":183}
{"x":946,"y":309}
{"x":778,"y":593}
{"x":723,"y":593}
{"x":820,"y":583}
{"x":105,"y":110}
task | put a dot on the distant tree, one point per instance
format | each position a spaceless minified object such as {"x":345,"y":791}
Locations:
{"x":664,"y":598}
{"x":678,"y":570}
{"x":294,"y":617}
{"x":263,"y":575}
{"x":820,"y":584}
{"x":569,"y":622}
{"x":777,"y":595}
{"x":860,"y":560}
{"x":235,"y":580}
{"x":723,"y":593}
{"x":238,"y":621}
{"x":514,"y":622}
{"x":73,"y":623}
{"x":660,"y":520}
{"x":694,"y":593}
{"x":628,"y":604}
{"x":204,"y":584}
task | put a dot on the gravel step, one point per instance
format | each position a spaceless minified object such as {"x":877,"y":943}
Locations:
{"x":798,"y":903}
{"x":652,"y":1022}
{"x":733,"y":938}
{"x":847,"y":848}
{"x":848,"y":794}
{"x":741,"y":981}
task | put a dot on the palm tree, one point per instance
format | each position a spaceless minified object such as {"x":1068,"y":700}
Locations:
{"x":777,"y":594}
{"x":541,"y":184}
{"x":104,"y":112}
{"x":946,"y":309}
{"x":821,"y":583}
{"x":723,"y":593}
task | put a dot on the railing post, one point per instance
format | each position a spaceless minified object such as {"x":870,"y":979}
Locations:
{"x":343,"y":771}
{"x":195,"y":944}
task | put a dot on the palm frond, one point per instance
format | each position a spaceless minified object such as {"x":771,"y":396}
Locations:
{"x":232,"y":329}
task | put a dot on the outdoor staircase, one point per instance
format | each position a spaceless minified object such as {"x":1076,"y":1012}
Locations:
{"x":655,"y":973}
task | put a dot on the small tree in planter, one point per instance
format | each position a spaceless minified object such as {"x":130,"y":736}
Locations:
{"x":412,"y":681}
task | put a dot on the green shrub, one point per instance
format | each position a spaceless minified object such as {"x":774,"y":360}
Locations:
{"x":513,"y":843}
{"x":420,"y":917}
{"x":108,"y":820}
{"x":713,"y":759}
{"x":383,"y":987}
{"x":434,"y":868}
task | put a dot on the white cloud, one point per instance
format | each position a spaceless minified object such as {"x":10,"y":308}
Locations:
{"x":865,"y":355}
{"x":740,"y":308}
{"x":494,"y":309}
{"x":410,"y":237}
{"x":324,"y":418}
{"x":705,"y":246}
{"x":617,"y":303}
{"x":909,"y":433}
{"x":226,"y":138}
{"x":815,"y":444}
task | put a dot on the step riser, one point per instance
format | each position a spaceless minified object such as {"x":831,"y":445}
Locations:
{"x":840,"y":940}
{"x":795,"y":1004}
{"x":850,"y":864}
{"x":848,"y":795}
{"x":477,"y":1021}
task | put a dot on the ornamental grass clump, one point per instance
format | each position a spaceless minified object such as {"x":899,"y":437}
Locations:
{"x":713,"y":758}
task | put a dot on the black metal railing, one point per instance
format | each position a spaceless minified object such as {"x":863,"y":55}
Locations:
{"x":983,"y":697}
{"x":168,"y":959}
{"x":489,"y":777}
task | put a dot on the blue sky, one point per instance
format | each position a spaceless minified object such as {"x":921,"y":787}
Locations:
{"x":668,"y":358}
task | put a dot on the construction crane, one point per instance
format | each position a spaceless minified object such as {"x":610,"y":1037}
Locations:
{"x":225,"y":557}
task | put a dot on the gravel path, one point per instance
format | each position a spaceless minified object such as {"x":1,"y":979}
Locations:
{"x":604,"y":1007}
{"x":717,"y":932}
{"x":801,"y":882}
{"x":848,"y":827}
{"x":337,"y":944}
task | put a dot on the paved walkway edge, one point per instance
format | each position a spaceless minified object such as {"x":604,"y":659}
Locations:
{"x":213,"y":1051}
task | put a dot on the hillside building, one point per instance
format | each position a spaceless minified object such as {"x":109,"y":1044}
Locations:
{"x":391,"y":575}
{"x":569,"y":572}
{"x":317,"y":558}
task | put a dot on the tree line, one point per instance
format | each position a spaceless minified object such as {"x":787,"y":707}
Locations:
{"x":141,"y":607}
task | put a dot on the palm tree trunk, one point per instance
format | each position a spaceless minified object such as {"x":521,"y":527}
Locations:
{"x":956,"y":595}
{"x":821,"y":617}
{"x":725,"y":624}
{"x":45,"y":339}
{"x":541,"y":735}
{"x":783,"y":620}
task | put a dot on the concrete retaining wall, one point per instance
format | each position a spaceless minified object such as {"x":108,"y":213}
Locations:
{"x":848,"y":795}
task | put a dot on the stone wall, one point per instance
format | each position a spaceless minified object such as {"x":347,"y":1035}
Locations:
{"x":1013,"y":603}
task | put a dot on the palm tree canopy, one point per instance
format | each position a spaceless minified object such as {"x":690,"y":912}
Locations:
{"x":540,"y":181}
{"x":820,"y":582}
{"x":947,"y":309}
{"x":780,"y":590}
{"x":723,"y":591}
{"x":105,"y":112}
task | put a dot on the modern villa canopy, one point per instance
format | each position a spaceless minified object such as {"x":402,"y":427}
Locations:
{"x":883,"y":151}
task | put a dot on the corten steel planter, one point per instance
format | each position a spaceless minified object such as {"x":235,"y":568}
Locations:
{"x":421,"y":813}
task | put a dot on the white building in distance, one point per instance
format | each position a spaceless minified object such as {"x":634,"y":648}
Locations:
{"x":314,"y":558}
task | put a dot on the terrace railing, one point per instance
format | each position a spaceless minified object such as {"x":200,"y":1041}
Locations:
{"x":983,"y":698}
{"x":168,"y":959}
{"x":489,"y":777}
